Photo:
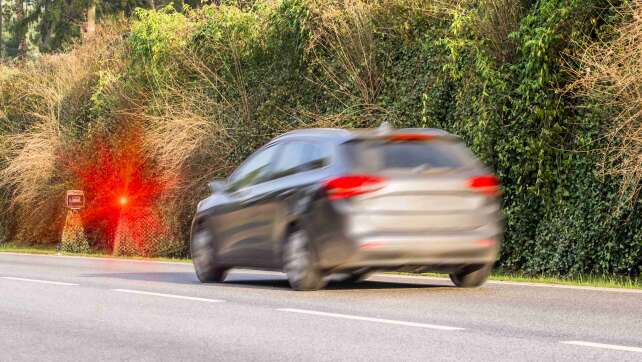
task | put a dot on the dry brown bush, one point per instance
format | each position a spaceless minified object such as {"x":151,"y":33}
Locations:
{"x":43,"y":102}
{"x":344,"y":46}
{"x":187,"y":134}
{"x":489,"y":21}
{"x":611,"y":75}
{"x":497,"y":20}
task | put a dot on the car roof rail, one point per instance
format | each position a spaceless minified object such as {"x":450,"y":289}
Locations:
{"x":384,"y":128}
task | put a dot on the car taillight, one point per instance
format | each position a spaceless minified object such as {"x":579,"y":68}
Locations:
{"x":410,"y":137}
{"x":344,"y":187}
{"x":486,"y":184}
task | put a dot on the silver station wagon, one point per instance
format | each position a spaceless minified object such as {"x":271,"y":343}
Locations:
{"x":318,"y":202}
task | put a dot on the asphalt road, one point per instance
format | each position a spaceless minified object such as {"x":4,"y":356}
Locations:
{"x":68,"y":308}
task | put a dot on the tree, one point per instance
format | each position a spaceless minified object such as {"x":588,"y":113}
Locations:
{"x":1,"y":29}
{"x":20,"y":30}
{"x":90,"y":28}
{"x":53,"y":23}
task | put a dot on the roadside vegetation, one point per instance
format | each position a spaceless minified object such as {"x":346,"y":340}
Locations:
{"x":546,"y":92}
{"x":49,"y":249}
{"x":592,"y":281}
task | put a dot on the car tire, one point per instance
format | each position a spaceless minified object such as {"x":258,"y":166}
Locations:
{"x":300,"y":263}
{"x":203,"y":249}
{"x":468,"y":278}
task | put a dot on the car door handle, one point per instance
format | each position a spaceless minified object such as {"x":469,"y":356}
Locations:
{"x":285,"y":193}
{"x":240,"y":193}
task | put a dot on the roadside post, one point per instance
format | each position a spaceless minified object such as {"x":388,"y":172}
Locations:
{"x":73,"y":237}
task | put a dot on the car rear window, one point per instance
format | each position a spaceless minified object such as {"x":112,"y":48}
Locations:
{"x":377,"y":155}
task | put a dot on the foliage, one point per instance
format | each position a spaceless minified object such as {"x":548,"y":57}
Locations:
{"x":157,"y":36}
{"x":52,"y":25}
{"x":46,"y":112}
{"x":205,"y":87}
{"x":610,"y":76}
{"x":561,"y":216}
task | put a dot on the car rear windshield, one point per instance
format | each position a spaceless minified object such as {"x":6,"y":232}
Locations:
{"x":417,"y":156}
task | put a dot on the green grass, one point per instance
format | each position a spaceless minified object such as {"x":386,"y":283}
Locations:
{"x":598,"y":281}
{"x":601,"y":281}
{"x":582,"y":280}
{"x":51,"y":250}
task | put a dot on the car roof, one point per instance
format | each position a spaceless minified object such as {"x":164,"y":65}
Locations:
{"x":339,"y":135}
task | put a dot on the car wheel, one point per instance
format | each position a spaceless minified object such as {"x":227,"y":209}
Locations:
{"x":204,"y":256}
{"x":471,"y":278}
{"x":300,"y":263}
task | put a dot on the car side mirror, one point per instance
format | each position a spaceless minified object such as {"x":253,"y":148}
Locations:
{"x":217,"y":186}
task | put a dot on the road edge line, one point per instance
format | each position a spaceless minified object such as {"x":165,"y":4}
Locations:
{"x":40,"y":281}
{"x":173,"y":296}
{"x":603,"y":346}
{"x":371,"y":319}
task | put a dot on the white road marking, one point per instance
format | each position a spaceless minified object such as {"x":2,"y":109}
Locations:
{"x":168,"y":295}
{"x":368,"y":319}
{"x":38,"y":281}
{"x":604,"y":346}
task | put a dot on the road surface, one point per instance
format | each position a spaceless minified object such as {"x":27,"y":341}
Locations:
{"x":91,"y":309}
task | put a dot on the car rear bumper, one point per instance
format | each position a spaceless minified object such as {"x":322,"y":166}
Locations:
{"x":396,"y":251}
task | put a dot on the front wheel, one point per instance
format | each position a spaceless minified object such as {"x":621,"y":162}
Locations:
{"x":471,"y":279}
{"x":300,"y":263}
{"x":204,"y":256}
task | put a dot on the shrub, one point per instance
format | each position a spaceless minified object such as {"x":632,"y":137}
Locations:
{"x":204,"y":88}
{"x":610,"y":75}
{"x":46,"y":106}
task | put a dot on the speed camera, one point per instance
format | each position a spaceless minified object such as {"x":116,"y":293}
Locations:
{"x":75,"y":199}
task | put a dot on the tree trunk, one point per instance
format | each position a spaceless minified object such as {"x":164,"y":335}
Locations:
{"x":90,"y":28}
{"x":151,"y":4}
{"x":21,"y":31}
{"x":178,"y":5}
{"x":195,"y":4}
{"x":1,"y":43}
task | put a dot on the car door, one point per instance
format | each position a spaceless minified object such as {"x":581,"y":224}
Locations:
{"x":298,"y":166}
{"x":240,"y":224}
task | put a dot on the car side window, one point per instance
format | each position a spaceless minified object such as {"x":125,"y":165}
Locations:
{"x":300,"y":156}
{"x":256,"y":169}
{"x":317,"y":155}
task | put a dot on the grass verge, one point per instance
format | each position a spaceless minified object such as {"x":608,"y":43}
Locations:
{"x":52,"y":250}
{"x":596,"y":281}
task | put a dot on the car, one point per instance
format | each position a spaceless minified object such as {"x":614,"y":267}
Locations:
{"x":320,"y":202}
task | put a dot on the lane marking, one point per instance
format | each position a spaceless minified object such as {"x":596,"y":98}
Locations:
{"x":368,"y":319}
{"x":168,"y":295}
{"x":38,"y":281}
{"x":604,"y":346}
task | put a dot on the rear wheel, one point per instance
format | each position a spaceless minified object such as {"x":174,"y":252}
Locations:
{"x":205,"y":257}
{"x":301,"y":264}
{"x":468,"y":278}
